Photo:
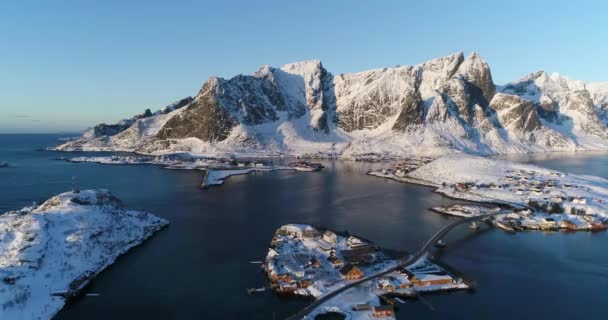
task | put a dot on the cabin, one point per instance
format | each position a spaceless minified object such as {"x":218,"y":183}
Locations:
{"x":329,"y":237}
{"x":432,"y":279}
{"x":335,"y":261}
{"x":579,"y":200}
{"x":323,"y":245}
{"x":383,"y":311}
{"x":354,"y":242}
{"x":386,"y":285}
{"x":351,"y":272}
{"x":569,"y":225}
{"x":304,"y":283}
{"x":314,"y":263}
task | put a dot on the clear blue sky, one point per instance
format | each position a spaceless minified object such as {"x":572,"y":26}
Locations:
{"x":67,"y":65}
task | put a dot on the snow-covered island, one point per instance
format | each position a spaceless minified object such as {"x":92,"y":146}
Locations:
{"x":537,"y":198}
{"x":50,"y":252}
{"x":308,"y":261}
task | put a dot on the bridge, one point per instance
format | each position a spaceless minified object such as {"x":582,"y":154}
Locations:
{"x":302,"y":314}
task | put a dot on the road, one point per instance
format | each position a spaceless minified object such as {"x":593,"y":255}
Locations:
{"x":405,"y":263}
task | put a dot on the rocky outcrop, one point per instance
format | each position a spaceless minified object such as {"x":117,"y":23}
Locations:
{"x":410,"y":116}
{"x":204,"y":119}
{"x":515,"y":114}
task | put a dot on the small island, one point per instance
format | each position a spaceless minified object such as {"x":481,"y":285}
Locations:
{"x":313,"y":262}
{"x":50,"y":252}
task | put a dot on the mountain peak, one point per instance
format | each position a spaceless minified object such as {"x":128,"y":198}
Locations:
{"x":299,"y":67}
{"x":475,"y":70}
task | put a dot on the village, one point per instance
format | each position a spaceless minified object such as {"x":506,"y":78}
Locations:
{"x":306,"y":261}
{"x":530,"y":198}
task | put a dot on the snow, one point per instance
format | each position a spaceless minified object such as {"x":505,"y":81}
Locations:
{"x":294,"y":246}
{"x":371,"y":101}
{"x":217,"y":177}
{"x":44,"y":248}
{"x":447,"y":171}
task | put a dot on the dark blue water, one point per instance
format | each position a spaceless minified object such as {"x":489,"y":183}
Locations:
{"x":199,"y":267}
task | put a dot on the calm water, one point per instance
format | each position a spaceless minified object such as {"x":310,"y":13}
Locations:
{"x":199,"y":267}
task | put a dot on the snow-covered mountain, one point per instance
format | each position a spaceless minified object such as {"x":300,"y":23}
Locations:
{"x":441,"y":106}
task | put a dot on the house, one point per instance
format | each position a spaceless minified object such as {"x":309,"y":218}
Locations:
{"x":310,"y":232}
{"x":386,"y":285}
{"x":297,"y":231}
{"x":335,"y":261}
{"x":287,"y":287}
{"x":361,"y":307}
{"x":429,"y":279}
{"x":569,"y":225}
{"x":579,"y":200}
{"x":354,"y":242}
{"x":351,"y":272}
{"x":304,"y":283}
{"x":329,"y":237}
{"x":547,"y":223}
{"x":314,"y":263}
{"x":461,"y":186}
{"x":323,"y":245}
{"x":384,"y":311}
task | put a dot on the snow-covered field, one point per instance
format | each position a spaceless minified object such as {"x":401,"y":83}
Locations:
{"x":58,"y":246}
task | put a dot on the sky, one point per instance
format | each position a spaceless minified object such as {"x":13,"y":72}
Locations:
{"x":68,"y":65}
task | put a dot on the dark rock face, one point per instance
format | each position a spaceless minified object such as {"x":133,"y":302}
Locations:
{"x":517,"y":114}
{"x":204,"y":119}
{"x":103,"y":129}
{"x":476,"y":72}
{"x":411,"y":112}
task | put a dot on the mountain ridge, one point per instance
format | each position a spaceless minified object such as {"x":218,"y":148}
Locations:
{"x":449,"y":104}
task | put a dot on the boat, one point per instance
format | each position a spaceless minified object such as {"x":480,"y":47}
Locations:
{"x":254,"y":290}
{"x":3,"y":164}
{"x":440,"y":244}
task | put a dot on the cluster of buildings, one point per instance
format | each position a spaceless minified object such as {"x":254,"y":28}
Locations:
{"x":404,"y":167}
{"x":306,"y":261}
{"x":303,"y":260}
{"x":552,"y":204}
